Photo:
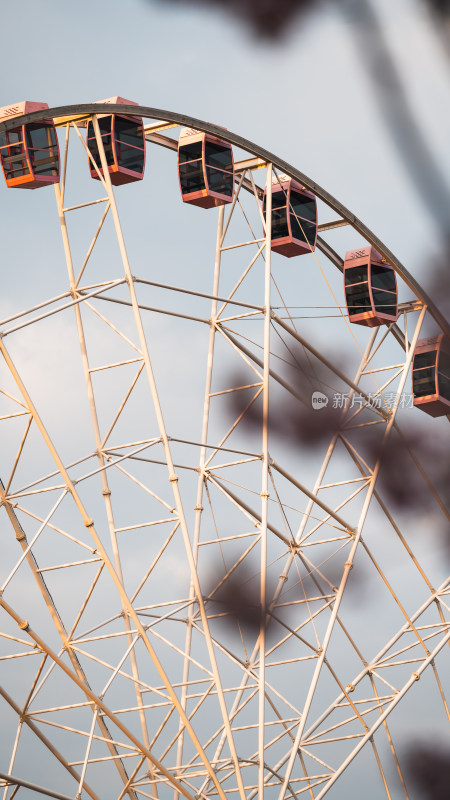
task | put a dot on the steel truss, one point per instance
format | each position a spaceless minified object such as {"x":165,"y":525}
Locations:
{"x":138,"y":676}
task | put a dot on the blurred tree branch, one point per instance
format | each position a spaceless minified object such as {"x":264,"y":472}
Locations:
{"x":407,"y":136}
{"x":270,"y":20}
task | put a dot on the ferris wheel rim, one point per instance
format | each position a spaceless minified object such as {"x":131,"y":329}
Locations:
{"x":88,"y":109}
{"x":125,"y":109}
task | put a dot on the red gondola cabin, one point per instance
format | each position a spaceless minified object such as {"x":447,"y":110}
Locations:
{"x":370,"y":288}
{"x":29,"y":153}
{"x":431,"y":375}
{"x":124,"y":143}
{"x":205,"y":169}
{"x":294,"y":218}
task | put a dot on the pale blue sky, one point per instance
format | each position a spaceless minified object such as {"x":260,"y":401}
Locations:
{"x":306,"y":98}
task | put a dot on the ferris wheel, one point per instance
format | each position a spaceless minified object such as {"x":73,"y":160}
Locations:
{"x":191,"y":487}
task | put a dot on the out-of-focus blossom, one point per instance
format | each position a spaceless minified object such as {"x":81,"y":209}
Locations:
{"x":295,"y":422}
{"x":237,"y":598}
{"x":401,"y":480}
{"x":290,"y":418}
{"x":267,"y":19}
{"x":428,"y":768}
{"x":440,"y":6}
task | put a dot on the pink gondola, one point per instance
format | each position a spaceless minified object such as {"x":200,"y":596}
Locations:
{"x":124,"y":143}
{"x":294,"y":217}
{"x":205,"y":169}
{"x":431,"y":375}
{"x":29,"y":153}
{"x":370,"y":287}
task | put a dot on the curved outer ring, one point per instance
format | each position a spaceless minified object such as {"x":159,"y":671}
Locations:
{"x":250,"y":147}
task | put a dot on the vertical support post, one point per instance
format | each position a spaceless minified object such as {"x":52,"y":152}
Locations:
{"x":173,"y":478}
{"x":264,"y":483}
{"x":201,"y":479}
{"x":349,"y":562}
{"x":106,"y":491}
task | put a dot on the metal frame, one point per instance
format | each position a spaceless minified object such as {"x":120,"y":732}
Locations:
{"x":83,"y":110}
{"x":207,"y":713}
